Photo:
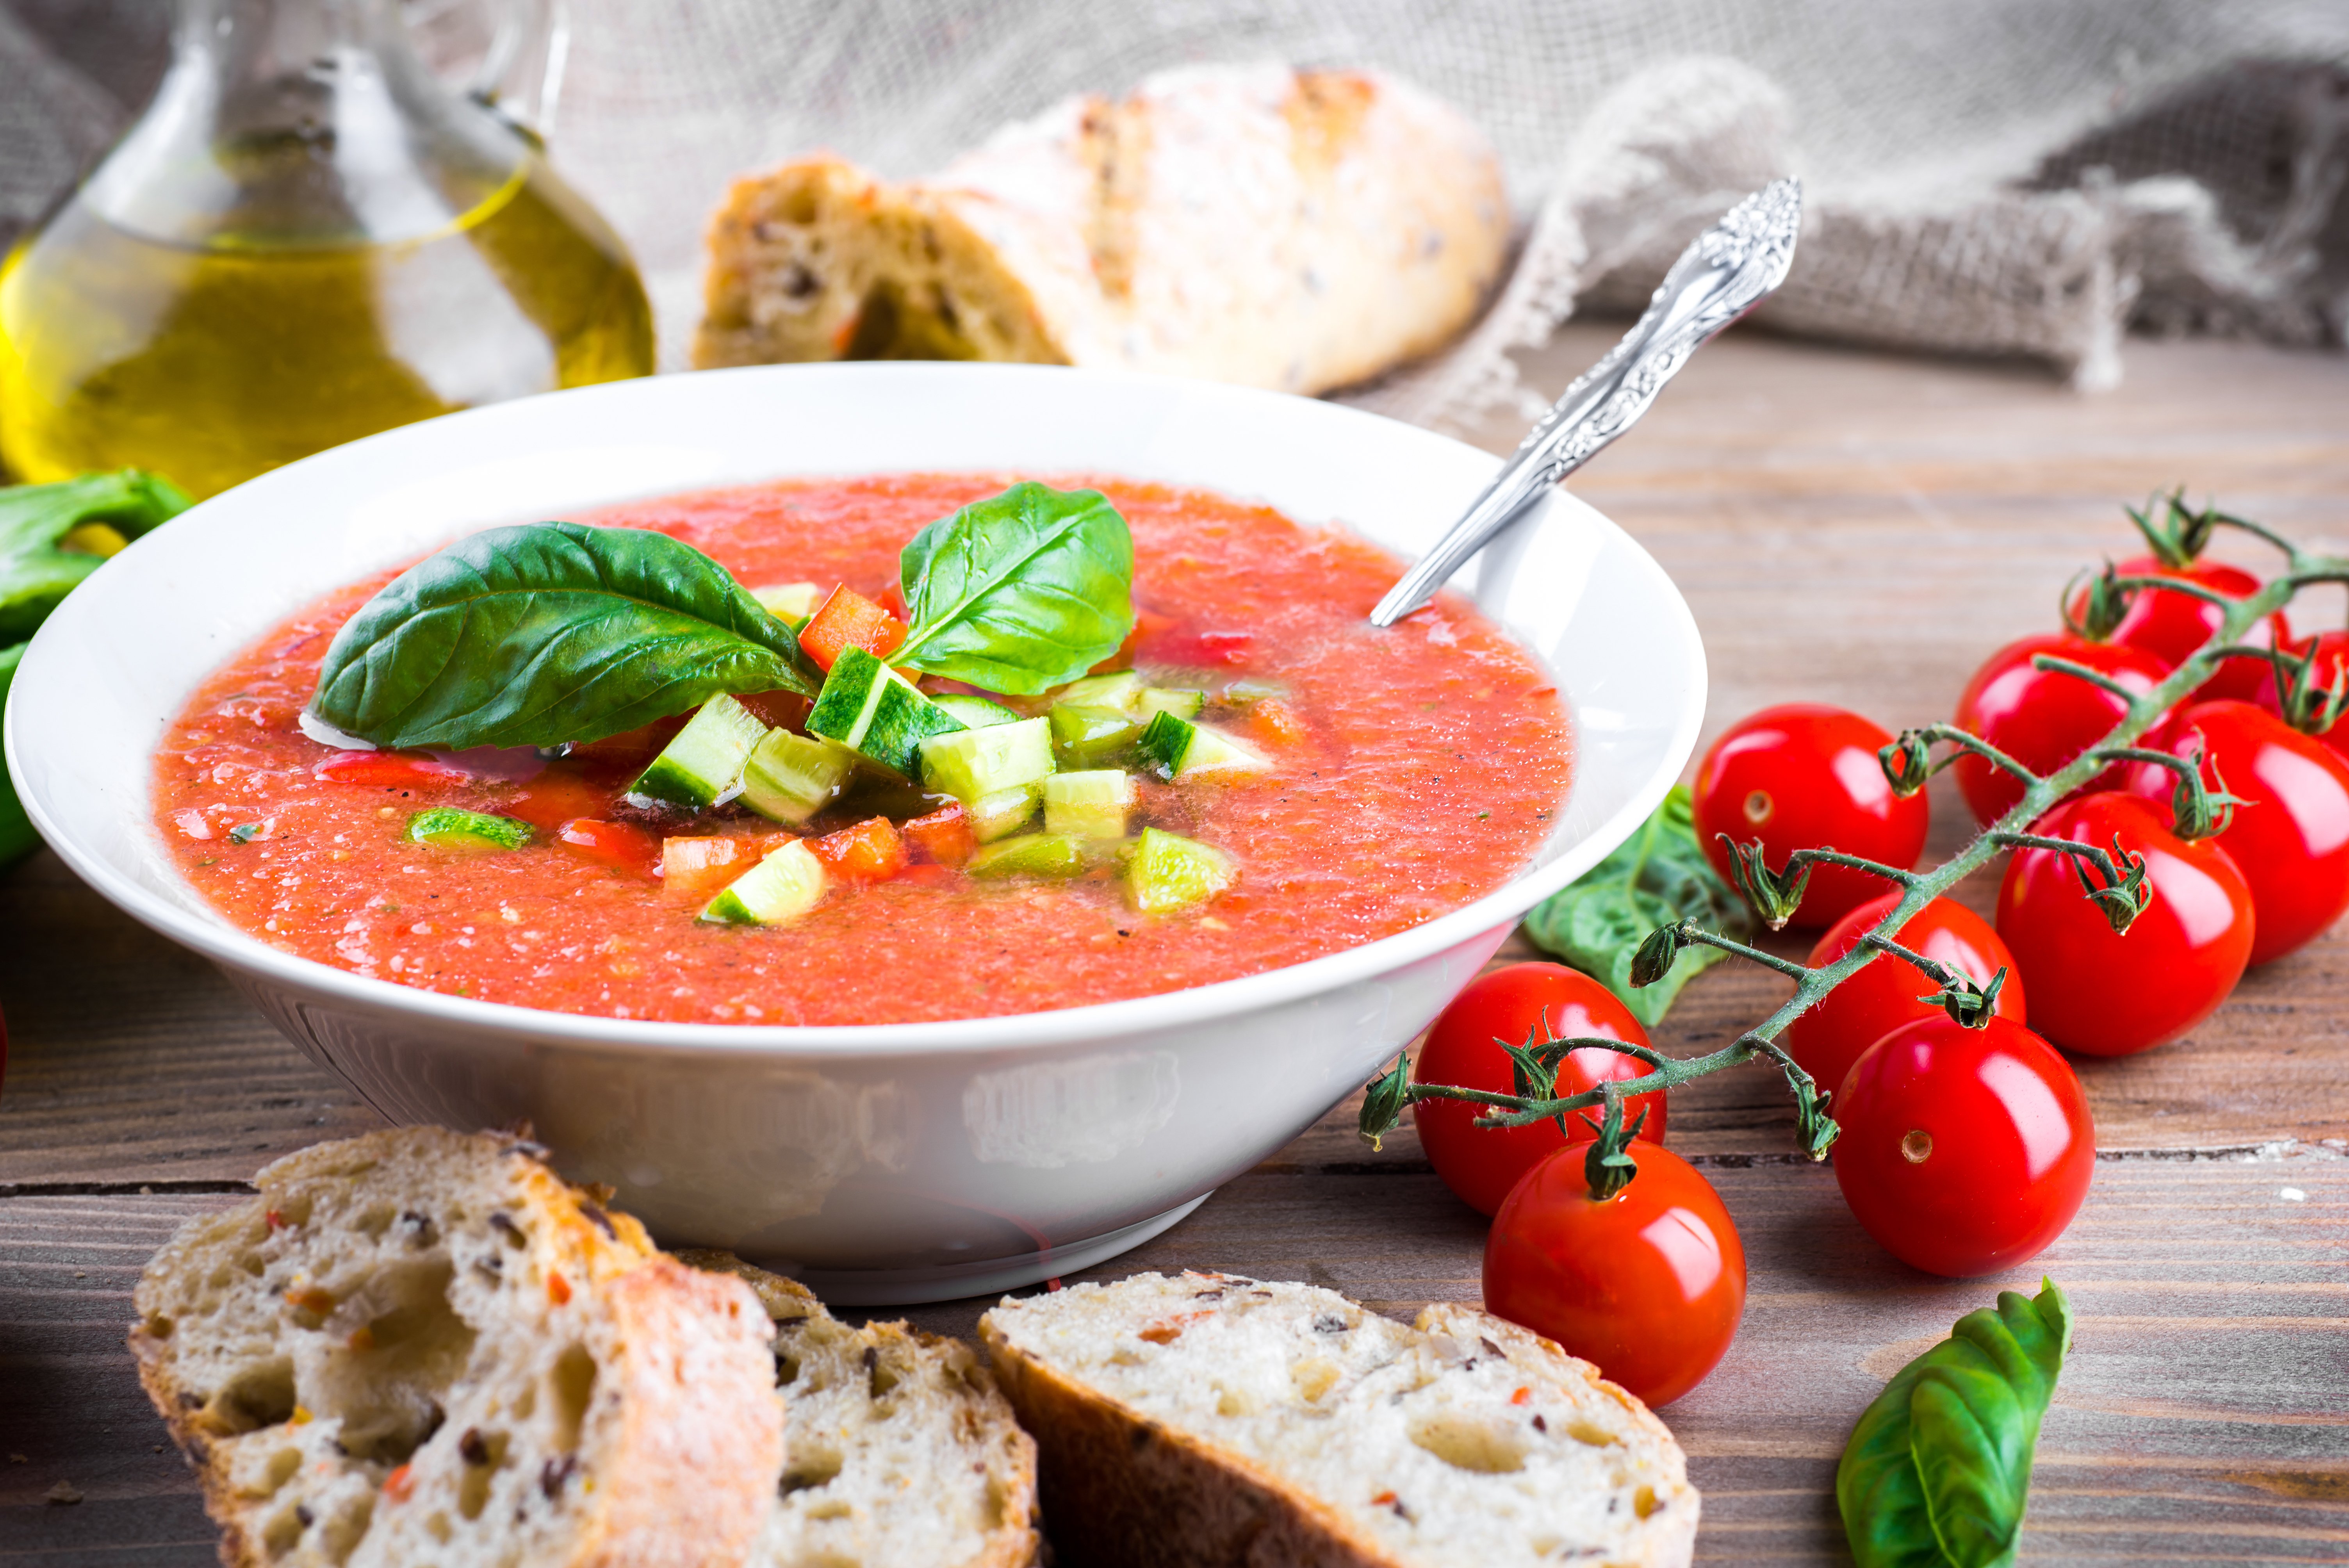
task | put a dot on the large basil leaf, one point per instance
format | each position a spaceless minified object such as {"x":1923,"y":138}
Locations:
{"x":549,"y":632}
{"x":1020,"y":593}
{"x":1656,"y":876}
{"x":35,"y":574}
{"x":1938,"y":1470}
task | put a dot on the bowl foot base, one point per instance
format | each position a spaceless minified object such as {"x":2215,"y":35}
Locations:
{"x":990,"y":1277}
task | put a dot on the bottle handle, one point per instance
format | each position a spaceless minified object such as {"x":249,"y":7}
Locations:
{"x":523,"y":31}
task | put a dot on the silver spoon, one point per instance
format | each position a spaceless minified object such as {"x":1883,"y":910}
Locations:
{"x":1727,"y":271}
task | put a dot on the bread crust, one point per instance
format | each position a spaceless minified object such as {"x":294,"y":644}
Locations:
{"x":1300,"y":230}
{"x":1121,"y":1487}
{"x":469,"y":1249}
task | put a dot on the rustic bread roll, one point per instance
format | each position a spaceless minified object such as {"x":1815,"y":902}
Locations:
{"x":903,"y":1454}
{"x":1208,"y":1418}
{"x":1292,"y":229}
{"x":421,"y":1347}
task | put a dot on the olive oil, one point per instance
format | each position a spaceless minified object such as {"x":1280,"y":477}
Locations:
{"x":211,"y":361}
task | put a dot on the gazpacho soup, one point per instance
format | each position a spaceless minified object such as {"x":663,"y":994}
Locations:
{"x":863,"y":751}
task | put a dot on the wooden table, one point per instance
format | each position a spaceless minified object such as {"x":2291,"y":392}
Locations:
{"x":1849,"y":529}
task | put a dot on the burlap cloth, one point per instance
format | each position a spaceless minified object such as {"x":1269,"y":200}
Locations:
{"x":2012,"y":178}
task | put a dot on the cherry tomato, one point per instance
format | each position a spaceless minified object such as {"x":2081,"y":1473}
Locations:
{"x":2332,"y":653}
{"x":1648,"y":1284}
{"x":2044,"y":718}
{"x":1964,"y":1151}
{"x":1888,"y":994}
{"x":2172,"y":626}
{"x":1803,"y":776}
{"x":2290,"y":837}
{"x":2110,"y":994}
{"x":1463,"y":1050}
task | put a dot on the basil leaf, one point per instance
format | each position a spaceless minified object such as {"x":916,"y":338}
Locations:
{"x":546,"y":633}
{"x":1020,"y":593}
{"x":1656,"y":876}
{"x":1938,"y":1470}
{"x":35,"y":574}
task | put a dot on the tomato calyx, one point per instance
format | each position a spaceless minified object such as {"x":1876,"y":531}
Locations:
{"x":1609,"y":1167}
{"x":2094,"y":614}
{"x":2196,"y":811}
{"x":2301,"y":701}
{"x":1774,"y":895}
{"x":1968,"y":1006}
{"x":2118,"y":888}
{"x":2180,"y":536}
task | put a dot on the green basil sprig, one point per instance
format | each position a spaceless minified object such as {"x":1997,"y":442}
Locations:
{"x":1020,"y":593}
{"x":1937,"y":1471}
{"x":551,"y":631}
{"x":1658,"y":875}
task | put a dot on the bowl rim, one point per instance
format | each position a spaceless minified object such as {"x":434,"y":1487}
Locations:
{"x":1189,"y":1007}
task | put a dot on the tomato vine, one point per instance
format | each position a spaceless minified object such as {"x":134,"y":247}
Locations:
{"x":2114,"y":880}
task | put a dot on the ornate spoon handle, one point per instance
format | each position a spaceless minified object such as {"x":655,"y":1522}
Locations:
{"x":1727,"y":271}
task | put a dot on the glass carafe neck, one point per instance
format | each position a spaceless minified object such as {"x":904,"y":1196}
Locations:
{"x":297,"y":123}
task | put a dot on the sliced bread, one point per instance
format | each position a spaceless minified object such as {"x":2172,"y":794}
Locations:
{"x":1211,"y":1420}
{"x":1251,"y":224}
{"x":420,"y":1347}
{"x":903,"y":1453}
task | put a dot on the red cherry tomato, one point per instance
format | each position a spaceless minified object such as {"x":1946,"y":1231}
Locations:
{"x":1648,"y":1284}
{"x":2290,"y":837}
{"x":1803,"y":776}
{"x":1887,"y":994}
{"x":1462,"y":1048}
{"x":1964,"y":1151}
{"x":2044,"y":718}
{"x":2332,"y":653}
{"x":2110,"y":994}
{"x":2172,"y":626}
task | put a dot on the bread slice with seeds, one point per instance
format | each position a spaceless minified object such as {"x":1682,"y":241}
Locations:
{"x":1211,"y":1420}
{"x":420,"y":1348}
{"x":903,"y":1453}
{"x":1296,"y":230}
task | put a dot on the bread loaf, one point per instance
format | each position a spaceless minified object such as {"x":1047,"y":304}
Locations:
{"x":421,"y":1347}
{"x":903,"y":1454}
{"x":1293,"y":229}
{"x":1212,"y":1420}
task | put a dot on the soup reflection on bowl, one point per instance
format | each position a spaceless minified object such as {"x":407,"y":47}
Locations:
{"x":934,"y":1084}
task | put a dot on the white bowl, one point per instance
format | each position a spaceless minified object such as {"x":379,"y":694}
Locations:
{"x":882,"y":1163}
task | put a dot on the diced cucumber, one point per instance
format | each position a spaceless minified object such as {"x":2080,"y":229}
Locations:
{"x":1032,"y":855}
{"x":1182,"y":704}
{"x":704,"y":764}
{"x":790,"y":778}
{"x":777,"y":891}
{"x":975,"y":711}
{"x":1167,"y":873}
{"x":451,"y":829}
{"x":1083,"y":735}
{"x":1100,"y":691}
{"x":1003,"y":813}
{"x":1091,"y":804}
{"x":1178,"y":749}
{"x":876,"y":712}
{"x":792,"y":602}
{"x":971,"y":763}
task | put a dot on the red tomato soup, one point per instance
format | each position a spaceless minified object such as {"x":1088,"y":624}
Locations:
{"x":1414,"y":770}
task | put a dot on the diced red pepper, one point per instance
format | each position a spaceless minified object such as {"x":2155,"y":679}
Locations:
{"x":621,"y":845}
{"x":700,"y":866}
{"x":1276,"y":723}
{"x":943,"y":837}
{"x":892,"y":599}
{"x":849,"y":620}
{"x":870,"y":852}
{"x":554,"y":798}
{"x":388,"y":770}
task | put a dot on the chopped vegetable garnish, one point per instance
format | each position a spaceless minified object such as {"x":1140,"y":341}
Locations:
{"x":704,"y":764}
{"x":1178,"y":749}
{"x":943,"y":837}
{"x":621,"y":845}
{"x":973,"y":763}
{"x":1167,"y":873}
{"x":849,"y":620}
{"x":451,"y":829}
{"x":1093,"y":804}
{"x":1005,"y":812}
{"x":878,"y":712}
{"x":780,"y":888}
{"x":699,"y":866}
{"x":790,"y":778}
{"x":1084,"y":734}
{"x":868,"y":852}
{"x":1031,"y":854}
{"x":792,"y":602}
{"x":975,"y":711}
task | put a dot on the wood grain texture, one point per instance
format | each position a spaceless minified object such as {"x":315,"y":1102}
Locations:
{"x":1806,"y":501}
